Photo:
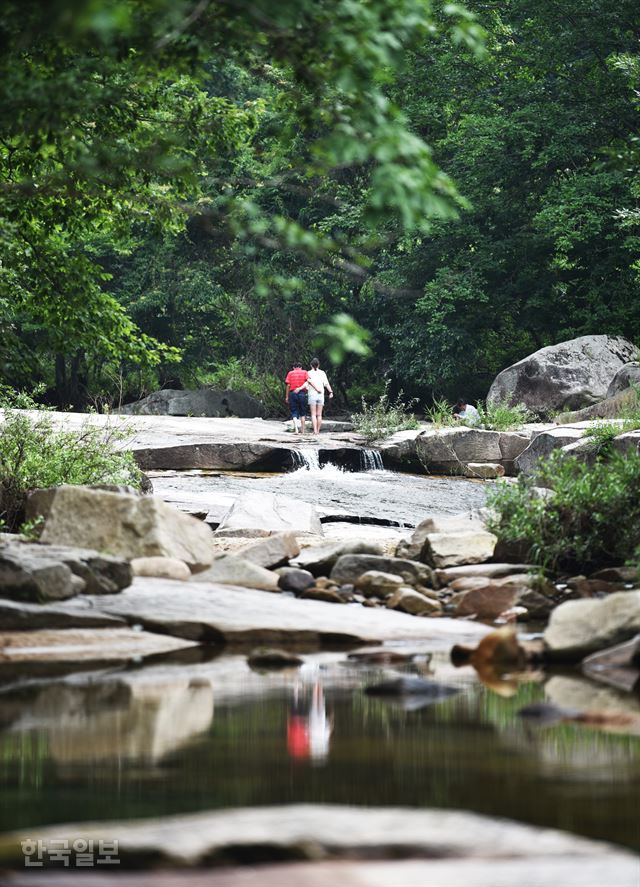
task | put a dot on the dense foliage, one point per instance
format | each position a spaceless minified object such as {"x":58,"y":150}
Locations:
{"x":590,"y":517}
{"x":34,"y":454}
{"x":196,"y":189}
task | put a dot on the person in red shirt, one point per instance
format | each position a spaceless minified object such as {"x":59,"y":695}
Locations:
{"x":297,"y":400}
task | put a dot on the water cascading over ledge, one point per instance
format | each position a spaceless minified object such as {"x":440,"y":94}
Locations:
{"x":349,"y":458}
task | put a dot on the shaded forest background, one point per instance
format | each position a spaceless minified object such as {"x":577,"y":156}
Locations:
{"x":198,"y":193}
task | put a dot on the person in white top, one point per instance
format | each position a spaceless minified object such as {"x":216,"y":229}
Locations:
{"x":466,"y":412}
{"x":315,"y":385}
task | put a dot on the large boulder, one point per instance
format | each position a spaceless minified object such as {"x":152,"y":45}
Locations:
{"x":201,"y":402}
{"x":451,"y":448}
{"x":578,"y":628}
{"x":567,"y":376}
{"x":268,"y":512}
{"x":627,"y":376}
{"x":120,"y":524}
{"x":544,"y":444}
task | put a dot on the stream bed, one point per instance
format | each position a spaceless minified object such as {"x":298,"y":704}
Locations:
{"x":200,"y":730}
{"x":372,"y":496}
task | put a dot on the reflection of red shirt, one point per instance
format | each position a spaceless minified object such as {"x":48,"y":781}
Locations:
{"x":296,"y":378}
{"x":298,"y":737}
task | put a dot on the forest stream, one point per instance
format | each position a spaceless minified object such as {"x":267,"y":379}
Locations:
{"x":200,"y":730}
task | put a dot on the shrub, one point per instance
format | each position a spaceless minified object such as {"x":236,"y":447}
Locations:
{"x":502,"y":417}
{"x":440,"y":413}
{"x":238,"y":375}
{"x":590,"y":517}
{"x":384,"y":417}
{"x":493,"y":417}
{"x":33,"y":454}
{"x":602,"y":433}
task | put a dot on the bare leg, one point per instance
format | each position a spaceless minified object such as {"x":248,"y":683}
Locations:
{"x":319,"y":417}
{"x":302,"y":421}
{"x":314,"y":417}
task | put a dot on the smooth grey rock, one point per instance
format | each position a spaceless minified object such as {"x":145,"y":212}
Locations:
{"x":612,"y":407}
{"x":20,"y":616}
{"x":566,"y":376}
{"x":578,"y":628}
{"x":269,"y":512}
{"x":484,"y":470}
{"x":629,"y":442}
{"x":231,"y":569}
{"x":408,"y":600}
{"x":165,"y":567}
{"x":450,"y":847}
{"x":100,"y":574}
{"x":320,"y":560}
{"x":544,"y":444}
{"x":84,"y":644}
{"x":349,"y":567}
{"x":626,"y":377}
{"x":512,"y":443}
{"x":449,"y":447}
{"x":199,"y":402}
{"x":120,"y":524}
{"x":328,"y":595}
{"x":452,"y":549}
{"x":490,"y":571}
{"x":216,"y":612}
{"x":485,"y":602}
{"x":275,"y":550}
{"x":27,"y":577}
{"x":375,"y":583}
{"x":458,"y":523}
{"x":294,"y":579}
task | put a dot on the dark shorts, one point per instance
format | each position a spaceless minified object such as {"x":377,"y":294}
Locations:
{"x":298,"y":404}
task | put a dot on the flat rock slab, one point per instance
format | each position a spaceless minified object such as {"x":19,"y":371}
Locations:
{"x":20,"y":616}
{"x":207,"y":611}
{"x":81,"y":644}
{"x":587,"y":872}
{"x":310,"y":832}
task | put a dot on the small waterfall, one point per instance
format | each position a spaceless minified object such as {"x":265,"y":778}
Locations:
{"x":371,"y":460}
{"x":308,"y":458}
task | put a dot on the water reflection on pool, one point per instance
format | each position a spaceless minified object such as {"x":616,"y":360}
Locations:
{"x":179,"y":736}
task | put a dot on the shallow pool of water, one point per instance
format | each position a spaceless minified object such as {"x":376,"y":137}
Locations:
{"x":192,"y":734}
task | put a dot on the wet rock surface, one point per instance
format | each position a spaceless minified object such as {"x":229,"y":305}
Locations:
{"x":266,"y":511}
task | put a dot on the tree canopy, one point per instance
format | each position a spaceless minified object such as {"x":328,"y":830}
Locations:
{"x":197,"y":192}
